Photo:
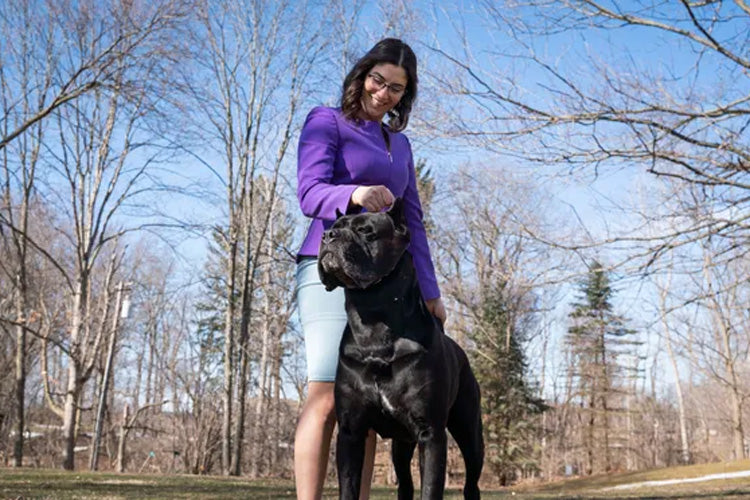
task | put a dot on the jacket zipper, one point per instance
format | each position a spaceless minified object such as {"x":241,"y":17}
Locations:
{"x":387,"y":140}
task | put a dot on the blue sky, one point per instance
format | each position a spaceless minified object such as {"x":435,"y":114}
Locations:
{"x":593,"y":199}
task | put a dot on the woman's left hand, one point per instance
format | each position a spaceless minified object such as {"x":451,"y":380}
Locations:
{"x":436,"y":307}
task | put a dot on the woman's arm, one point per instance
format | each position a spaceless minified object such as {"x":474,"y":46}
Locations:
{"x":319,"y":196}
{"x":419,"y":247}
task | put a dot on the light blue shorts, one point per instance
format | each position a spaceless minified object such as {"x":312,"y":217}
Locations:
{"x":323,"y":319}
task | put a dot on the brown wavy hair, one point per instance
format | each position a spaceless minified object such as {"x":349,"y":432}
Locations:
{"x":388,"y":50}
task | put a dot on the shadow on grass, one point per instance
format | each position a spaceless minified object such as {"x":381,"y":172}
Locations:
{"x":36,"y":484}
{"x":40,"y":484}
{"x":158,"y":491}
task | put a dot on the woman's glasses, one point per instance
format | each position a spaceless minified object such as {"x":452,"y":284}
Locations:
{"x":379,"y":82}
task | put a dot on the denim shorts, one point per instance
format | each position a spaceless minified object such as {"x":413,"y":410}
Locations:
{"x":323,"y":319}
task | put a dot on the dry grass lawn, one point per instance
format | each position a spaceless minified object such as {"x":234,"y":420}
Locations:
{"x":45,"y":484}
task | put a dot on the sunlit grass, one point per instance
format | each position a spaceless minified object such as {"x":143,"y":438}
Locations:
{"x":683,"y":472}
{"x":41,"y":484}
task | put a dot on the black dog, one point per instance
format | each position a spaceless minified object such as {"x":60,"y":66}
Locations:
{"x":398,"y":373}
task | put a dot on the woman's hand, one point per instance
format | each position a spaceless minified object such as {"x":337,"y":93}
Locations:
{"x":373,"y":198}
{"x":436,"y":307}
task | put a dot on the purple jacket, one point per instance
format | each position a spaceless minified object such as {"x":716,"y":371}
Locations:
{"x":336,"y":156}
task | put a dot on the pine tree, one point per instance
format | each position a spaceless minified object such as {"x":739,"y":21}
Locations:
{"x":426,"y":189}
{"x":602,"y":353}
{"x":509,"y":404}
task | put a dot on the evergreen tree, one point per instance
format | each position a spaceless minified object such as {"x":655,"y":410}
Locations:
{"x":602,"y":366}
{"x":426,"y":189}
{"x":509,"y":404}
{"x":209,"y":309}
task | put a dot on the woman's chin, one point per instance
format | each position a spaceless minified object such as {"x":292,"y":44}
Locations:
{"x":373,"y":112}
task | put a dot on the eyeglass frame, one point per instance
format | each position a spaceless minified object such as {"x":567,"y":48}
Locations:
{"x":392,"y":91}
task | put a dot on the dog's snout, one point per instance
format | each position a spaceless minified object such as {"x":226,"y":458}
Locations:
{"x":330,"y":235}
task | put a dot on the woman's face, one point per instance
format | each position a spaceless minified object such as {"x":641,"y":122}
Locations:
{"x":385,"y":85}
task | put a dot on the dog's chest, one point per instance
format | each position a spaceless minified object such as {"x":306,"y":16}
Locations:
{"x":390,"y":379}
{"x":385,"y":403}
{"x":387,"y":363}
{"x":385,"y":378}
{"x":394,"y":418}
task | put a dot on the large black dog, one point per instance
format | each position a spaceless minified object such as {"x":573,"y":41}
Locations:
{"x":398,"y":373}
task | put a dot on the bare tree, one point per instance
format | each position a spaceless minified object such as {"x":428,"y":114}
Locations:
{"x":252,"y":71}
{"x":26,"y":79}
{"x":590,"y":88}
{"x":271,"y":321}
{"x":727,"y":343}
{"x":667,"y":328}
{"x":346,"y":16}
{"x":605,"y":105}
{"x":36,"y":31}
{"x":493,"y":279}
{"x":97,"y":132}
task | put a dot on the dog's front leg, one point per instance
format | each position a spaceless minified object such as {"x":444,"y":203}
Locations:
{"x":350,"y":455}
{"x":433,"y":447}
{"x":401,"y":454}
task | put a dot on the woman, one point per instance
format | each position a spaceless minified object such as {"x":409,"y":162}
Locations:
{"x":349,"y":160}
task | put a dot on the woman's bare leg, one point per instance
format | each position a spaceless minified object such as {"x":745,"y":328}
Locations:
{"x":312,"y":442}
{"x":368,"y":465}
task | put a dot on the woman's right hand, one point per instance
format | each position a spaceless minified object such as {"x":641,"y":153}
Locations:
{"x":373,"y":198}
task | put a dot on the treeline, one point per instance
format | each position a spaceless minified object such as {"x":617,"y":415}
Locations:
{"x":148,"y":226}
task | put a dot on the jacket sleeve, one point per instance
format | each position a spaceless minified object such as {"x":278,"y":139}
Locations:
{"x":317,"y":190}
{"x":419,"y":248}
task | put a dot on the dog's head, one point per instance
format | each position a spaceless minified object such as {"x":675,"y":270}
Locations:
{"x":359,"y":250}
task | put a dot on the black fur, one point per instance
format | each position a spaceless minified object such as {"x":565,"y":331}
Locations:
{"x":398,"y":373}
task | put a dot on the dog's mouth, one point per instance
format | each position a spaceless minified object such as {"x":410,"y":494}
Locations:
{"x":332,"y":268}
{"x":344,"y":271}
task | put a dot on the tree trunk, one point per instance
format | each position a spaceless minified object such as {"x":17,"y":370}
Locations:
{"x":591,"y":424}
{"x":70,"y":408}
{"x":260,"y":408}
{"x":20,"y":372}
{"x":22,"y":318}
{"x":150,"y":367}
{"x":276,"y":432}
{"x":138,"y":378}
{"x":226,"y":422}
{"x":239,"y":424}
{"x":603,"y":388}
{"x":268,"y":321}
{"x":120,"y":465}
{"x":684,"y":442}
{"x":242,"y":346}
{"x":70,"y":415}
{"x":93,"y":462}
{"x":738,"y":432}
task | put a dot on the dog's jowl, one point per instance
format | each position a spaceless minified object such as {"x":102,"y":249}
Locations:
{"x":398,"y":373}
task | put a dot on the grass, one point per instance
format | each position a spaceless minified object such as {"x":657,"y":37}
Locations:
{"x":43,"y":484}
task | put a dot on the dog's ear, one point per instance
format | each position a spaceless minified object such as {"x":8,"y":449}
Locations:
{"x":338,"y":213}
{"x":396,"y":212}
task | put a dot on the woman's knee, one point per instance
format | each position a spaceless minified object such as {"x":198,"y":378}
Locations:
{"x":320,"y":402}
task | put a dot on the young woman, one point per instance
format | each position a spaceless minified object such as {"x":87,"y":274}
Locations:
{"x":349,"y":160}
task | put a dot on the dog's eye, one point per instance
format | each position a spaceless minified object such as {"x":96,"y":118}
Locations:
{"x":367,"y":232}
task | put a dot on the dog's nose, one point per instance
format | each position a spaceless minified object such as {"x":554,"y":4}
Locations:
{"x":330,"y":235}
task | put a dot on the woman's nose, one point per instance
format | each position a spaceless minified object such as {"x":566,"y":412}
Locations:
{"x":382,"y":93}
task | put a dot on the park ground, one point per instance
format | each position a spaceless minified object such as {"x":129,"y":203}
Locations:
{"x":42,"y":484}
